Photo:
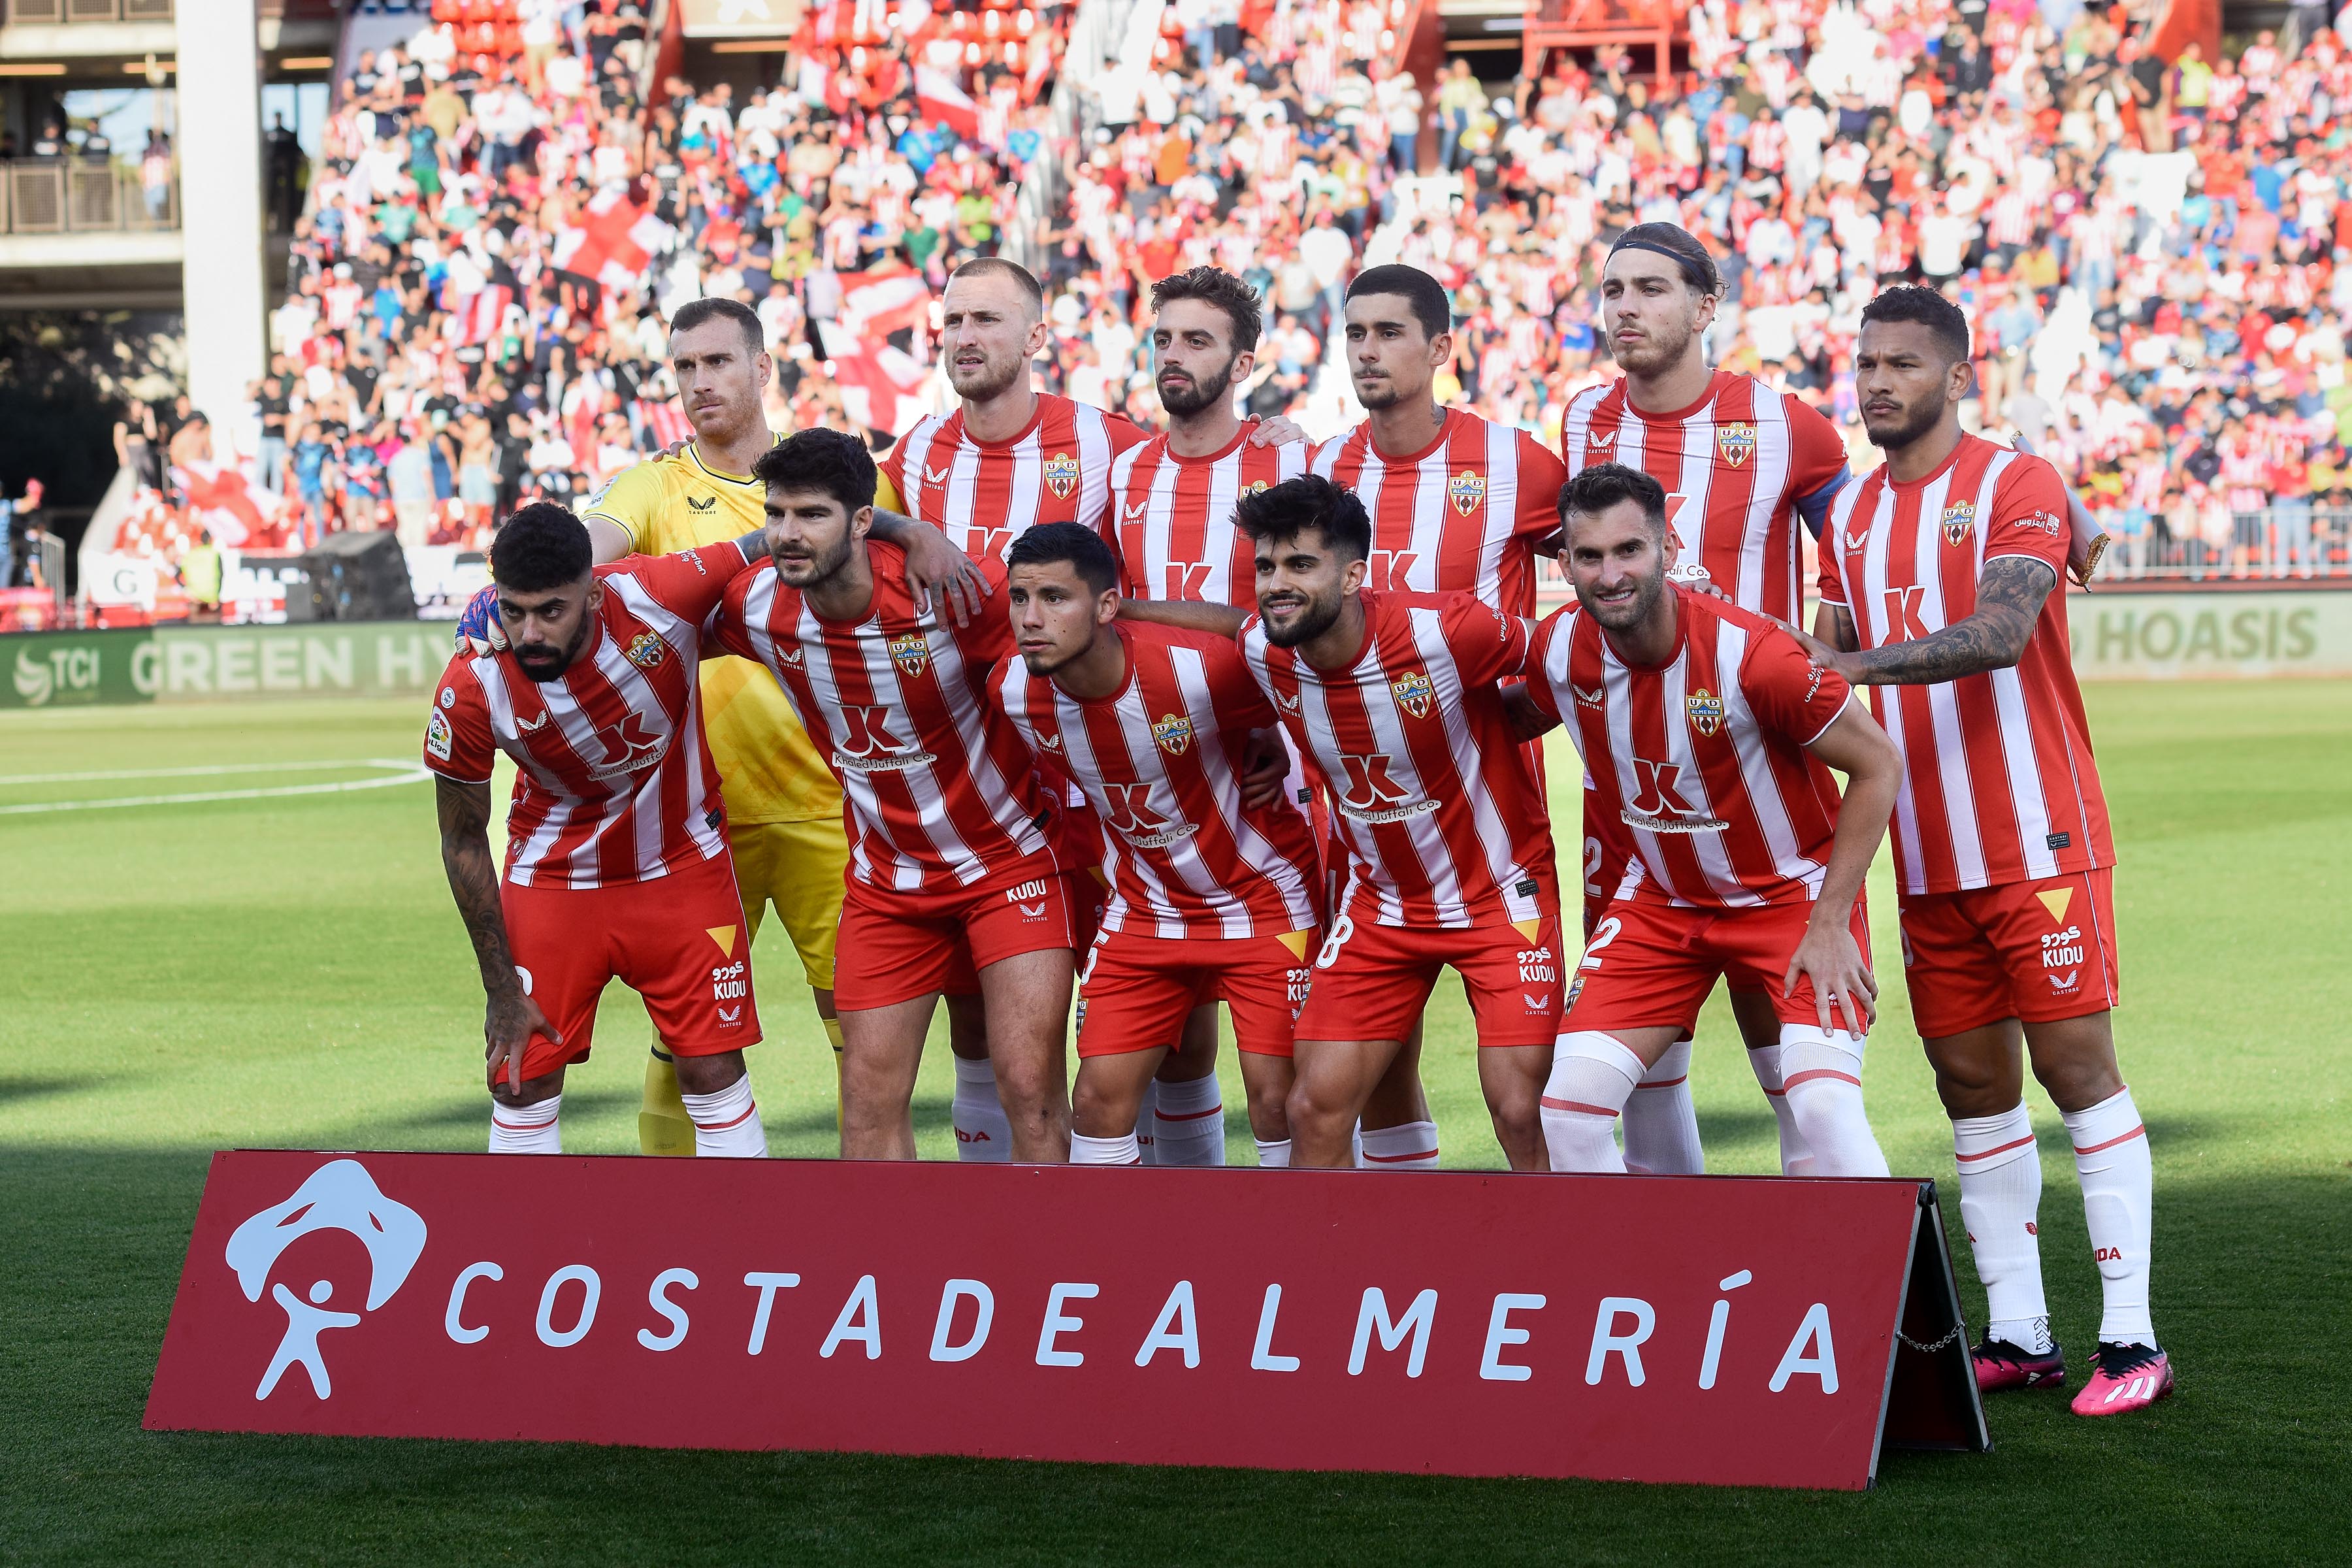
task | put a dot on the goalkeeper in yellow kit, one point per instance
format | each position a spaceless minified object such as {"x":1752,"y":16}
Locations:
{"x":784,"y":809}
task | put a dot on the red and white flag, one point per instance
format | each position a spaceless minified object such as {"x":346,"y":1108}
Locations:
{"x":614,"y":242}
{"x":881,"y":386}
{"x":485,"y":313}
{"x":885,"y":300}
{"x":939,"y":97}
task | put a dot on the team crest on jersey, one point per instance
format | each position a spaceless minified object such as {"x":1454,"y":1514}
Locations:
{"x":1960,"y":521}
{"x":1466,"y":490}
{"x":1062,"y":474}
{"x":911,"y":652}
{"x":1255,"y":486}
{"x":1705,"y":710}
{"x":701,"y":503}
{"x":1414,"y":694}
{"x":646,"y":651}
{"x":1736,"y":444}
{"x":1174,"y":734}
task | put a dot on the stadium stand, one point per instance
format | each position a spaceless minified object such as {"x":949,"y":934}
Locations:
{"x":507,"y":206}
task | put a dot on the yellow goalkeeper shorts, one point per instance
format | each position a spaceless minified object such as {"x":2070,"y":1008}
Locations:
{"x":798,"y":868}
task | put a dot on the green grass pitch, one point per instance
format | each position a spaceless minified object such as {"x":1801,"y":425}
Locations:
{"x":287,"y":970}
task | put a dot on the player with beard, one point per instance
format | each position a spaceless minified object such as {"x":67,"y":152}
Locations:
{"x":1458,"y":505}
{"x":1709,"y":735}
{"x":783,"y":811}
{"x":956,"y":880}
{"x":1939,"y":572}
{"x":1740,"y":464}
{"x":1211,"y":898}
{"x":1171,"y":511}
{"x":616,"y":858}
{"x":1007,"y":460}
{"x":1392,"y":698}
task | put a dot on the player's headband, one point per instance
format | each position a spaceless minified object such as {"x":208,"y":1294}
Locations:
{"x":1680,"y":259}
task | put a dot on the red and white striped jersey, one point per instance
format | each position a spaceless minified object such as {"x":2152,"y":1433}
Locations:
{"x":1998,"y":783}
{"x":985,"y":494}
{"x":1439,"y":809}
{"x":613,"y":783}
{"x":1174,"y":517}
{"x":1162,"y":763}
{"x":1701,"y":758}
{"x":937,"y":786}
{"x":1739,"y":466}
{"x":1461,"y":516}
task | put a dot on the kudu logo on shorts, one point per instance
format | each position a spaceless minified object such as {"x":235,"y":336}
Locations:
{"x":338,"y":1195}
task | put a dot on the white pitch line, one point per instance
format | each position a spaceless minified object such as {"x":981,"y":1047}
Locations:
{"x":412,"y":776}
{"x":207,"y":770}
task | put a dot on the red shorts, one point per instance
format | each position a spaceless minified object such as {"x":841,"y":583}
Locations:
{"x":676,"y":941}
{"x":896,"y":946}
{"x":2031,"y":950}
{"x":1372,"y":981}
{"x":1651,"y":965}
{"x":1138,"y":990}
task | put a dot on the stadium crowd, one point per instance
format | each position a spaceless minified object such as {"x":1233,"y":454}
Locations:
{"x":493,"y":242}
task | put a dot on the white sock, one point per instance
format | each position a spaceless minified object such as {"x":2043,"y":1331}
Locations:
{"x":1273,"y":1156}
{"x":1122,"y":1150}
{"x":1823,"y":1075}
{"x":982,"y":1134}
{"x":1190,"y":1119}
{"x":1410,"y":1146}
{"x":1796,"y":1156}
{"x":1593,"y":1077}
{"x":727,"y":1124}
{"x":1146,"y":1125}
{"x":2111,"y":1159}
{"x":527,"y":1129}
{"x":2001,"y":1204}
{"x":1661,"y":1126}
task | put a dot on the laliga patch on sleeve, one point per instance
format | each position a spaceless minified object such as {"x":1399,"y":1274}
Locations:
{"x":437,"y":735}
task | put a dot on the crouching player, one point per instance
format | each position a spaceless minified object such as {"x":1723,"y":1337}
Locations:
{"x":1710,"y":734}
{"x":956,"y":881}
{"x":1210,"y":897}
{"x":616,"y":857}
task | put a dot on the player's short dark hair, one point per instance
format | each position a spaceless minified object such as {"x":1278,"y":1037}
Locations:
{"x":1595,"y":489}
{"x":829,"y":462}
{"x":1284,"y":511}
{"x":701,"y":312}
{"x":1691,"y":256}
{"x":540,"y":546}
{"x":987,"y":266}
{"x":1426,"y":294}
{"x":1945,"y":322}
{"x":1216,"y":286}
{"x":1081,"y":546}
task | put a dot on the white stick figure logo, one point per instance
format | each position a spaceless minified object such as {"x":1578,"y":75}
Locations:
{"x":338,"y":1195}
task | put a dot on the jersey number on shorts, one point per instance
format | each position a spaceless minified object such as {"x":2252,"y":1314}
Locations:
{"x":1603,"y":935}
{"x":1341,"y":929}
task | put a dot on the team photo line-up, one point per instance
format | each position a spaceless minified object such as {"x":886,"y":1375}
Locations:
{"x":1046,"y":705}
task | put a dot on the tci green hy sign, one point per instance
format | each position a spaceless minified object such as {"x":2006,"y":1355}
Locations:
{"x":175,"y":664}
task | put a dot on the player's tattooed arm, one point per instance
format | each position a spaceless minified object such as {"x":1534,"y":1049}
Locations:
{"x":2009,"y":595}
{"x":1528,"y":721}
{"x":933,"y":564}
{"x":1833,"y":631}
{"x":1185,"y":614}
{"x":510,"y":1017}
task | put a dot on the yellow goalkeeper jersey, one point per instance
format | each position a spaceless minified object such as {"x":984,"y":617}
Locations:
{"x":768,"y":771}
